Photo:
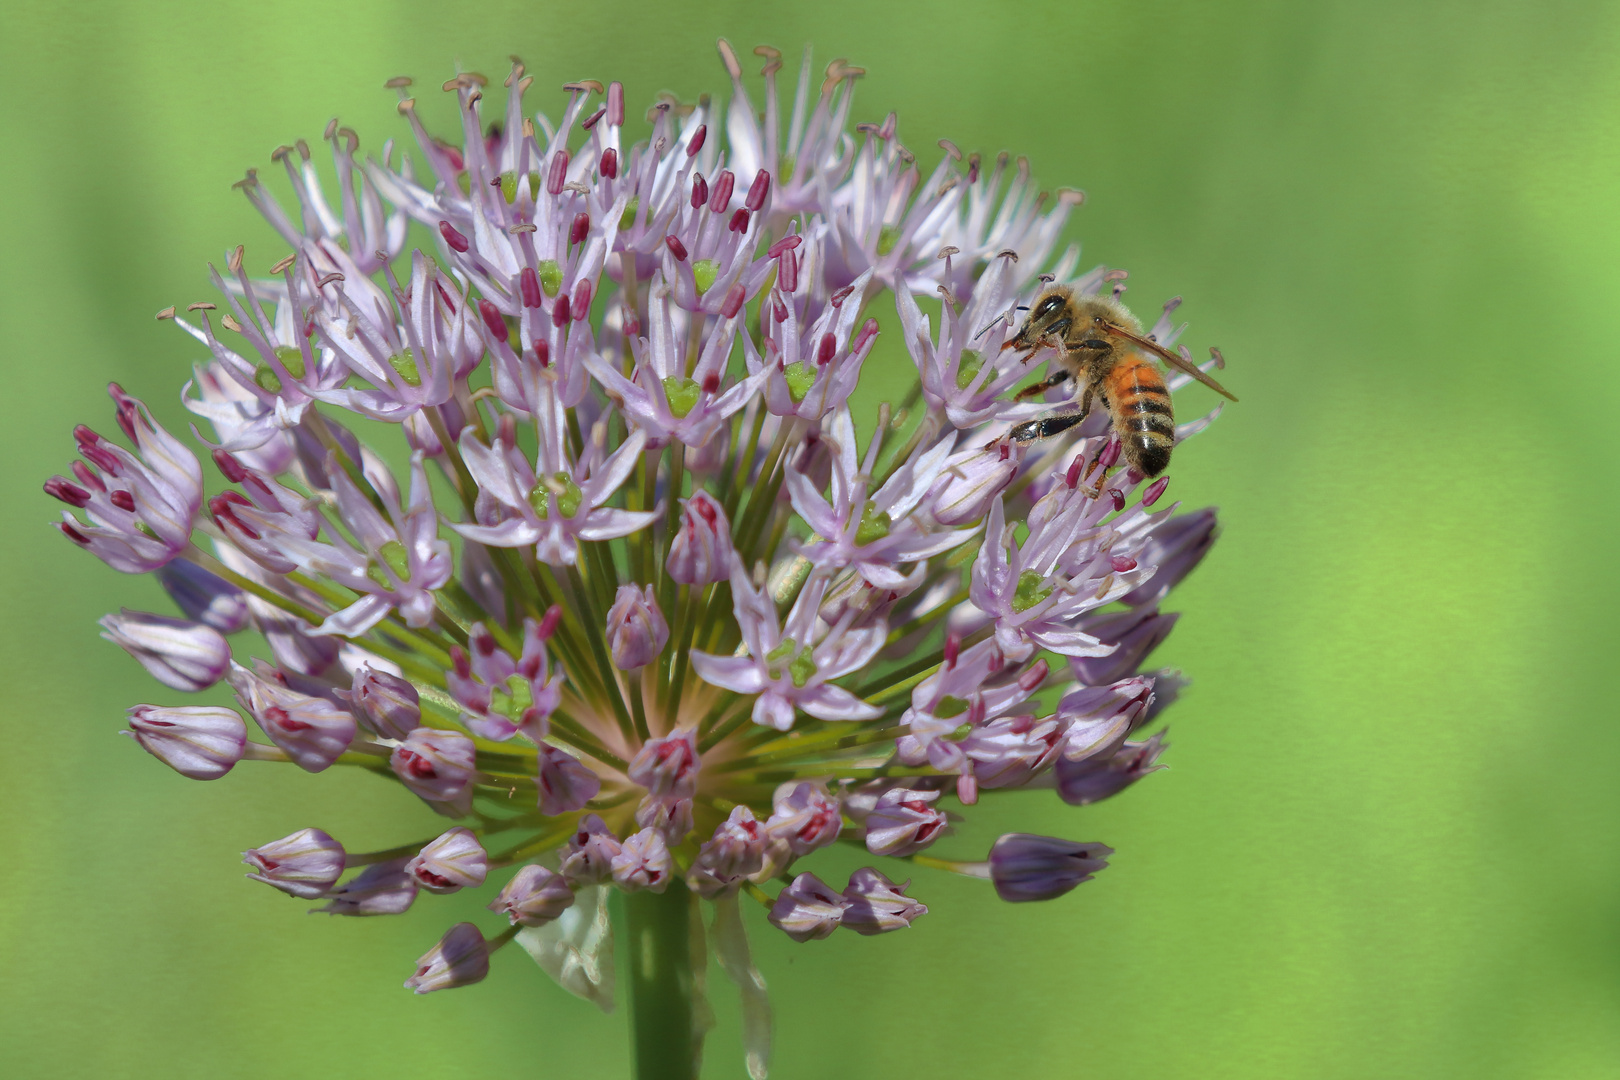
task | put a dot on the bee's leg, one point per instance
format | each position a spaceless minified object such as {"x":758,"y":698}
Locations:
{"x":1045,"y":428}
{"x":1057,"y":378}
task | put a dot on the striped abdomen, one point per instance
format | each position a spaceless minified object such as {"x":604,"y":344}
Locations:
{"x":1140,"y":404}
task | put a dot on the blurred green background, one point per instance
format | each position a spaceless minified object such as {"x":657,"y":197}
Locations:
{"x":1387,"y":846}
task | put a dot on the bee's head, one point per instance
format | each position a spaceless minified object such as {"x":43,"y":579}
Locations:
{"x":1049,"y":320}
{"x":1058,"y":315}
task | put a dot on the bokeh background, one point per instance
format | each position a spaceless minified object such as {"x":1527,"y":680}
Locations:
{"x":1389,"y":844}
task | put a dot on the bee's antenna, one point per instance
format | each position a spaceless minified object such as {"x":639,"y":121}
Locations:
{"x":992,"y":322}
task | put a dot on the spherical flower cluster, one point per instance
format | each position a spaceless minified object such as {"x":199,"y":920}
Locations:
{"x":648,"y":597}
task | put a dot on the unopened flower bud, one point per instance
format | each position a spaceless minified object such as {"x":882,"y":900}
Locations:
{"x":636,"y":630}
{"x":808,"y":909}
{"x":877,"y":905}
{"x":205,"y":597}
{"x":736,"y":851}
{"x":668,"y":767}
{"x":643,"y":862}
{"x":565,"y":782}
{"x":964,"y":491}
{"x":178,"y":653}
{"x":806,"y":818}
{"x":385,"y":703}
{"x":588,"y":857}
{"x":384,"y":888}
{"x":1028,"y":867}
{"x":459,"y":959}
{"x":671,"y":817}
{"x":453,"y":861}
{"x":533,"y":897}
{"x":312,"y":730}
{"x":701,"y":552}
{"x":903,"y":821}
{"x":1080,"y":783}
{"x":305,"y":864}
{"x":200,"y":742}
{"x":437,"y":765}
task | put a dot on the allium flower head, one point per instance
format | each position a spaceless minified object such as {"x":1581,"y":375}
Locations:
{"x":644,"y":591}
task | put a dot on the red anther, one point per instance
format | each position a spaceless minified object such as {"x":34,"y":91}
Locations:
{"x":590,"y":121}
{"x":417,"y":765}
{"x":700,"y":191}
{"x":506,"y":429}
{"x":125,"y":414}
{"x":787,"y":272}
{"x":1072,"y":477}
{"x":554,"y":613}
{"x":579,"y":228}
{"x":826,"y":350}
{"x":485,"y":644}
{"x":1121,"y":564}
{"x":841,"y":295}
{"x":609,"y":165}
{"x":582,"y":300}
{"x":230,"y":467}
{"x":705,"y":510}
{"x":60,"y":488}
{"x":495,"y":321}
{"x":1116,"y":497}
{"x":869,"y":330}
{"x":309,"y":329}
{"x":632,"y":325}
{"x":1110,"y":454}
{"x":976,"y":710}
{"x":758,"y":191}
{"x":230,"y":498}
{"x":452,"y":237}
{"x":220,"y":507}
{"x":997,"y":661}
{"x":529,"y":288}
{"x":1133,"y":476}
{"x":1032,"y":678}
{"x":676,"y":248}
{"x":559,"y":311}
{"x":696,"y":144}
{"x":779,"y":310}
{"x":558,"y":174}
{"x":721,"y":198}
{"x":1151,"y":495}
{"x":72,"y":534}
{"x":84,"y":436}
{"x":87,"y":476}
{"x":542,"y":354}
{"x":444,"y":294}
{"x":123,"y":500}
{"x":457,"y":162}
{"x":711,"y":382}
{"x":787,"y":243}
{"x":615,"y":104}
{"x":953,"y":649}
{"x":734,"y":301}
{"x":967,"y":789}
{"x":458,"y":658}
{"x":739,"y":221}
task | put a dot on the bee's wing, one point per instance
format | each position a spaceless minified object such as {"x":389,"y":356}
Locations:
{"x":1175,"y":360}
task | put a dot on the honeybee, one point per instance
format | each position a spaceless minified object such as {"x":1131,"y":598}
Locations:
{"x":1100,"y":345}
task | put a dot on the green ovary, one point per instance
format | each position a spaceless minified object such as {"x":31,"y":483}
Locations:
{"x":569,"y":497}
{"x":888,"y":236}
{"x":550,"y":276}
{"x":704,"y":271}
{"x":394,"y":556}
{"x":800,"y":378}
{"x":682,"y":395}
{"x":404,"y":365}
{"x":874,"y":524}
{"x":1029,"y":591}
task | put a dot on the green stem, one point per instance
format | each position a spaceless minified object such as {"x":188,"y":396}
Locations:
{"x":667,"y":1042}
